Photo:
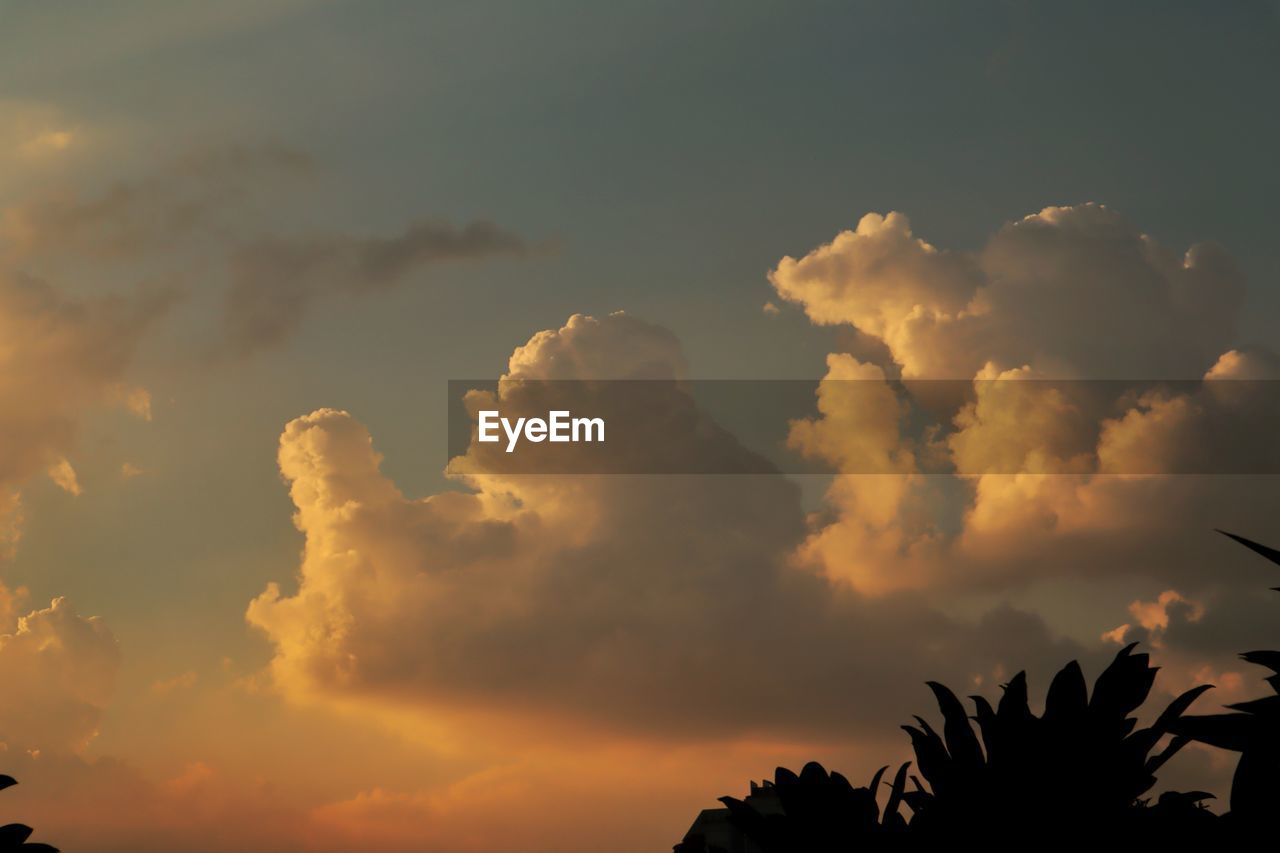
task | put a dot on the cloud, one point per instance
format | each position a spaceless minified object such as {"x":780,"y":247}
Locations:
{"x":58,"y":670}
{"x":10,"y":520}
{"x":136,"y":400}
{"x":64,"y":476}
{"x":657,"y":604}
{"x":1192,"y":645}
{"x":1246,"y":363}
{"x":62,"y":356}
{"x":562,"y":801}
{"x":47,"y":141}
{"x":192,"y":193}
{"x":1029,"y":477}
{"x":203,"y":199}
{"x":1074,"y":291}
{"x":33,"y":131}
{"x":276,"y":280}
{"x":551,"y":802}
{"x":1153,"y":617}
{"x":164,"y":686}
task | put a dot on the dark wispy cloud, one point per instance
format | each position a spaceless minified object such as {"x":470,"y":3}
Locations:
{"x":275,"y":280}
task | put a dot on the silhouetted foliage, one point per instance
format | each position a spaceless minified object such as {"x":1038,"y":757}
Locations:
{"x":1253,"y":730}
{"x":813,"y":811}
{"x":1078,"y":771}
{"x":14,"y":836}
{"x":1080,"y":765}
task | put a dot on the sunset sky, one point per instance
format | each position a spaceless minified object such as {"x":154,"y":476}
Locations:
{"x":244,"y":246}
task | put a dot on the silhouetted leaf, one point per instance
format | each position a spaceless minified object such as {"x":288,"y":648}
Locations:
{"x":874,"y":788}
{"x":13,"y":834}
{"x":1270,"y":553}
{"x":1157,"y":761}
{"x":897,"y":791}
{"x":745,"y":818}
{"x":986,"y":719}
{"x":962,"y":743}
{"x":916,"y":800}
{"x":1122,"y":686}
{"x":1268,"y":658}
{"x":812,"y":773}
{"x":1255,"y":788}
{"x":1013,"y":703}
{"x":1145,"y":740}
{"x":1266,"y":706}
{"x":1068,"y":696}
{"x":1179,"y":706}
{"x":1225,"y":731}
{"x":931,"y":755}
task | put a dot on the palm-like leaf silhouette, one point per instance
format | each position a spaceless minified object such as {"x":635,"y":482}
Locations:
{"x":1081,"y":766}
{"x":14,"y":836}
{"x":1078,"y":770}
{"x":815,"y":810}
{"x":1253,"y":730}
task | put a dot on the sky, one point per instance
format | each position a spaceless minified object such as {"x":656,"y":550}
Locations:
{"x":244,"y":247}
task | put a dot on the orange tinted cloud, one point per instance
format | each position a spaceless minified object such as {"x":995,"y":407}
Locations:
{"x":1071,"y":292}
{"x":1075,"y":291}
{"x":61,"y":357}
{"x":59,"y":672}
{"x":625,"y":603}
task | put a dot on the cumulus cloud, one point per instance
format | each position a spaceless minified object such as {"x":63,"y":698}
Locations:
{"x":58,"y":669}
{"x":654,"y":603}
{"x":660,"y":606}
{"x":276,"y":280}
{"x":1074,"y":291}
{"x":1052,"y":469}
{"x":1246,"y":363}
